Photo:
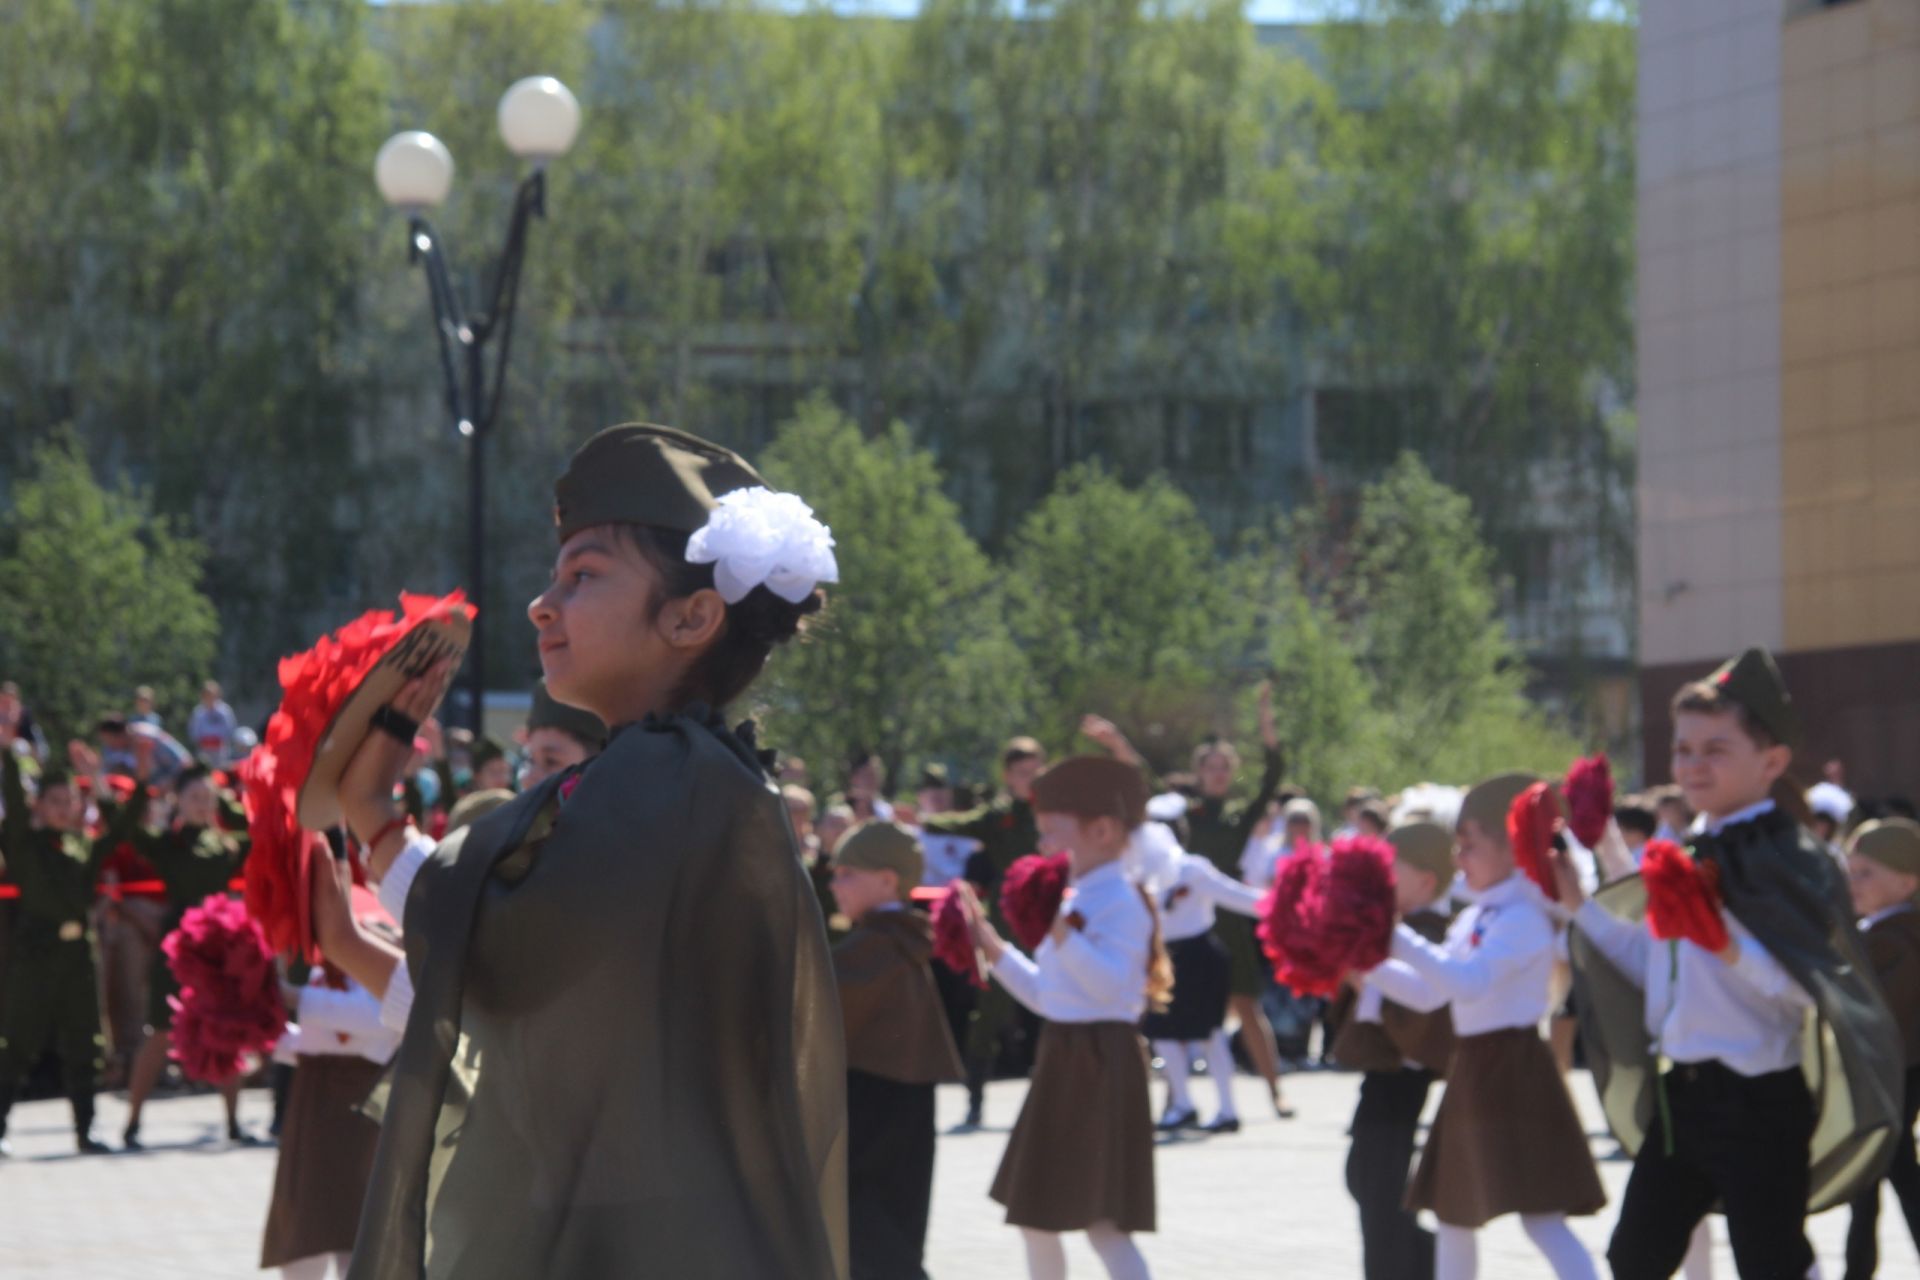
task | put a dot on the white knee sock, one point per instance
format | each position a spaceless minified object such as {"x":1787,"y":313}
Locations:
{"x":1456,"y":1253}
{"x":1220,"y":1067}
{"x":1555,"y":1239}
{"x":1118,"y":1253}
{"x":1698,"y":1264}
{"x":1174,"y":1055}
{"x":1046,"y":1255}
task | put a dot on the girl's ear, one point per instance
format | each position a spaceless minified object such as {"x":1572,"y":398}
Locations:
{"x":695,"y":621}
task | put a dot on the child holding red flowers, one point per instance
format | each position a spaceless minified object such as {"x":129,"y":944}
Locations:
{"x":1506,"y":1139}
{"x":1081,"y":1154}
{"x":1745,"y":939}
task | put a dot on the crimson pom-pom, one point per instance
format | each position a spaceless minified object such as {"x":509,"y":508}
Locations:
{"x":316,"y":684}
{"x":229,"y":1005}
{"x":1683,"y":897}
{"x":1531,"y":823}
{"x":952,"y":939}
{"x":1030,"y":896}
{"x":1289,"y":930}
{"x":1589,"y":794}
{"x":1330,"y":912}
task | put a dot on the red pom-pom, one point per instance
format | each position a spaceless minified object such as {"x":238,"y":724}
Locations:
{"x":1030,"y":896}
{"x":229,"y":1004}
{"x":1330,"y":912}
{"x":1531,"y":823}
{"x":952,"y":939}
{"x":316,"y":684}
{"x":1683,"y":897}
{"x":1590,"y":799}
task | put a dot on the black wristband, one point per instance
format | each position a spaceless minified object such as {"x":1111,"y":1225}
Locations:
{"x":397,"y":725}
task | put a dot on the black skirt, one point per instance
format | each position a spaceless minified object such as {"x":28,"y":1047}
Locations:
{"x":1200,"y":988}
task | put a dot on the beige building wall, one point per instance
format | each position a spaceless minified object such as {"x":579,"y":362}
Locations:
{"x":1709,"y":328}
{"x":1779,"y":326}
{"x":1850,"y":323}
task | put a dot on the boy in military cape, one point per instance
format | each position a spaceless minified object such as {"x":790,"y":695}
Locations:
{"x":1716,"y":1039}
{"x":1883,"y":875}
{"x":1402,"y":1051}
{"x":898,"y":1048}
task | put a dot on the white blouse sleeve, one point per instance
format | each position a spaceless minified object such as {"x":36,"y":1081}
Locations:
{"x":399,"y":879}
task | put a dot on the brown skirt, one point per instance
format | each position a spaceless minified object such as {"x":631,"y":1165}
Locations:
{"x":326,"y":1157}
{"x":1082,"y":1149}
{"x":1506,"y":1138}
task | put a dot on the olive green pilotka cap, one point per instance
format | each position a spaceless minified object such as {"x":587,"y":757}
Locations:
{"x":1894,"y":843}
{"x":1424,"y":846}
{"x":1753,"y":680}
{"x":1488,"y":802}
{"x":637,"y":473}
{"x":549,"y":712}
{"x":881,"y":845}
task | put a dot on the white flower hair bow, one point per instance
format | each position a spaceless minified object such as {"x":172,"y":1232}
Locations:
{"x":758,"y":538}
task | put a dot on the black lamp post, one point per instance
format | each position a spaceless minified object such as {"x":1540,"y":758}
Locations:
{"x":539,"y":119}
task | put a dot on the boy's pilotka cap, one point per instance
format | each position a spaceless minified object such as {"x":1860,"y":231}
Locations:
{"x":1424,"y":846}
{"x":1894,"y":843}
{"x":549,"y":712}
{"x":1753,"y":681}
{"x":1488,"y":802}
{"x":883,"y":846}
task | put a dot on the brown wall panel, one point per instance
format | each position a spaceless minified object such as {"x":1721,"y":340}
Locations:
{"x":1859,"y":705}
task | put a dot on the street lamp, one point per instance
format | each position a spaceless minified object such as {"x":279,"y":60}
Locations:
{"x":539,"y":120}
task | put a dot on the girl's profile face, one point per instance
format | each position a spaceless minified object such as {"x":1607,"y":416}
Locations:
{"x":1483,"y":860}
{"x":550,"y":751}
{"x":596,"y":621}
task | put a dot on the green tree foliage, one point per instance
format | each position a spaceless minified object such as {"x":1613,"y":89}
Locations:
{"x":97,"y":595}
{"x":1480,"y":306}
{"x":1116,"y":596}
{"x":1392,"y":665}
{"x":912,"y":658}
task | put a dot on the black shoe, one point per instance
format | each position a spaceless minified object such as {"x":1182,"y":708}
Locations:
{"x":242,"y":1137}
{"x":6,"y":1149}
{"x":1173,"y":1121}
{"x":1225,"y":1124}
{"x":91,"y":1146}
{"x":130,"y":1140}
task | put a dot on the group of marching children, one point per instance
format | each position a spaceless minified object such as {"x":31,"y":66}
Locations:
{"x":1694,"y":982}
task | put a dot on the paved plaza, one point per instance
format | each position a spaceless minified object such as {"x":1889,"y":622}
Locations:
{"x":1268,"y":1202}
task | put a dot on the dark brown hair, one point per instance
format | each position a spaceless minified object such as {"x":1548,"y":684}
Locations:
{"x":1703,"y":697}
{"x":755,"y":625}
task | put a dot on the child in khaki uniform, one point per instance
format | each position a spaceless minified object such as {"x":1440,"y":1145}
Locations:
{"x":898,"y":1048}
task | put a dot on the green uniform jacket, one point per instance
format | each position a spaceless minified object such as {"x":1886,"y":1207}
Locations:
{"x":1006,"y":832}
{"x":50,"y":995}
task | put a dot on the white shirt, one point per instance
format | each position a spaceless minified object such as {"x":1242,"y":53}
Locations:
{"x":1749,"y":1014}
{"x":1883,"y":913}
{"x":1260,"y":857}
{"x":392,"y":891}
{"x":1366,"y":1007}
{"x":1187,"y":908}
{"x":946,"y":856}
{"x":1099,"y":973}
{"x":1493,"y":969}
{"x":331,"y":1022}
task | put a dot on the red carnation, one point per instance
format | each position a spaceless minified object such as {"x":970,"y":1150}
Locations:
{"x":1030,"y":896}
{"x":1330,"y":912}
{"x":316,"y":684}
{"x":1531,"y":823}
{"x":1683,"y":897}
{"x":1590,"y":799}
{"x":952,"y":939}
{"x":229,"y":1004}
